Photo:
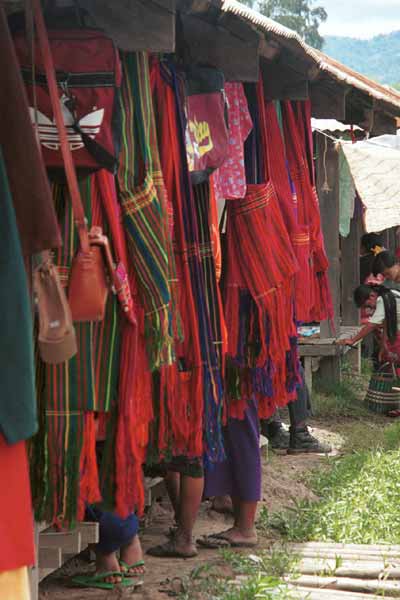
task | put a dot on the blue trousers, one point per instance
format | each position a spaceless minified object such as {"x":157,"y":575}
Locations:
{"x":114,"y":532}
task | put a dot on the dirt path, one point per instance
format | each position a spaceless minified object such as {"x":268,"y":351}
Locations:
{"x":282,"y":483}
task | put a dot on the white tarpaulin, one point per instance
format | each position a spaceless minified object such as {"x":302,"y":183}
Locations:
{"x":375,"y":168}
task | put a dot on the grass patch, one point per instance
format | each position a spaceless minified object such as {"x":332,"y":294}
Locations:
{"x":344,"y":399}
{"x":251,"y":577}
{"x":359,"y":501}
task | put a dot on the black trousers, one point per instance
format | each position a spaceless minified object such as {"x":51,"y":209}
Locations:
{"x":299,"y":410}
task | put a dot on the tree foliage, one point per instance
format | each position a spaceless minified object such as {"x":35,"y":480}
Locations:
{"x":299,"y":15}
{"x":377,"y":57}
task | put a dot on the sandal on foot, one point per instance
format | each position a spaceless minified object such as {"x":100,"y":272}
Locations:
{"x":219,"y":540}
{"x":394,"y":414}
{"x":213,"y":542}
{"x":97,"y":580}
{"x":169,"y":550}
{"x":136,"y":565}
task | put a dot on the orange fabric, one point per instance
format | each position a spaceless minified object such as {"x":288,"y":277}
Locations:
{"x":14,"y":585}
{"x":217,"y":250}
{"x":16,"y":518}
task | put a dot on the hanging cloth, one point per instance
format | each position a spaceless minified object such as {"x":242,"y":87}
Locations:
{"x":145,"y":209}
{"x":65,"y":476}
{"x":201,"y":348}
{"x":230,"y":179}
{"x":260,"y":264}
{"x":299,"y":233}
{"x":308,"y":214}
{"x":135,"y":408}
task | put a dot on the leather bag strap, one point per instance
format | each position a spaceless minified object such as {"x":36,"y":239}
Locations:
{"x":72,"y":180}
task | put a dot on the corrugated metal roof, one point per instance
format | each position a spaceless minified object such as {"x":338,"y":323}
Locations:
{"x":331,"y":125}
{"x":353,"y":78}
{"x":267,"y":25}
{"x":324,"y":63}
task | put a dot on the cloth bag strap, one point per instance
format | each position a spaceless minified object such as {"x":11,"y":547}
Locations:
{"x":72,"y":180}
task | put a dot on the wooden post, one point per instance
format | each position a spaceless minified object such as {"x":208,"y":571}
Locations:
{"x":327,"y":169}
{"x":329,"y":370}
{"x":34,"y":571}
{"x":350,"y":273}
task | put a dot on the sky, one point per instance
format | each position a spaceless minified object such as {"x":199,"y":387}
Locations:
{"x":360,"y":18}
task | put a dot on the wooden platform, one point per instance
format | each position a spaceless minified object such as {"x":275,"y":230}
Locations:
{"x":326,"y":346}
{"x":325,"y":354}
{"x":345,"y":571}
{"x":54,"y":548}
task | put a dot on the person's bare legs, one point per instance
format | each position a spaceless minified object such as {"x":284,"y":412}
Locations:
{"x":106,"y":563}
{"x":222,"y":504}
{"x":173,"y":485}
{"x":181,"y":543}
{"x":243,"y":530}
{"x":130,"y":554}
{"x":191,"y":492}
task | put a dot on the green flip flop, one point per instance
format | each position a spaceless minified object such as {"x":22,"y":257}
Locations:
{"x":97,"y":581}
{"x":127,"y":567}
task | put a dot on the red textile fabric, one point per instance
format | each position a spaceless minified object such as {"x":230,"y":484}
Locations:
{"x":135,"y":402}
{"x":259,"y":262}
{"x":186,"y":413}
{"x":392,"y":352}
{"x":299,"y":234}
{"x":16,"y":518}
{"x":308,"y":214}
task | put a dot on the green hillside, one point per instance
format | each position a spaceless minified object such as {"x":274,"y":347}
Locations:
{"x":378,"y":57}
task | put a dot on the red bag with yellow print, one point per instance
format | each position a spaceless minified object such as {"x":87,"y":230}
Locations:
{"x":207,"y":134}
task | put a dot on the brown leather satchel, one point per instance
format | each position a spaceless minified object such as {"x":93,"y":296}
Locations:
{"x":88,"y":286}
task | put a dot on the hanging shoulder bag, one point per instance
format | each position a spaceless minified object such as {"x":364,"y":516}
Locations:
{"x":88,"y":286}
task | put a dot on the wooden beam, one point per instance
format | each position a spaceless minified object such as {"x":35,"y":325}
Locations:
{"x":135,"y":25}
{"x":283,"y":82}
{"x":234,"y":52}
{"x":269,"y":49}
{"x":328,"y":99}
{"x":350,"y":272}
{"x":327,"y":170}
{"x":382,"y":124}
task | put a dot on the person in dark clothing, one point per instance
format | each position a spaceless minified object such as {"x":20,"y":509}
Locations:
{"x":371,"y":245}
{"x":298,"y":439}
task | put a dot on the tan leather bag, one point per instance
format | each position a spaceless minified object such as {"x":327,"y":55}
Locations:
{"x":56,"y":335}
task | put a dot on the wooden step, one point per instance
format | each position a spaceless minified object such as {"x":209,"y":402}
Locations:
{"x":50,"y":558}
{"x":347,"y":568}
{"x":70,"y":542}
{"x":368,"y":586}
{"x":348,"y":547}
{"x":347,"y":554}
{"x":309,"y":593}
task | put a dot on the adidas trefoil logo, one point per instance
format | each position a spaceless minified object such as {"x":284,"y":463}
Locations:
{"x":48,"y":133}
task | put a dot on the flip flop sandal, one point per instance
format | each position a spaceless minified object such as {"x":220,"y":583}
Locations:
{"x":168,"y":550}
{"x":171,"y":531}
{"x":394,"y":414}
{"x":213,"y":542}
{"x":127,"y":568}
{"x":218,"y":540}
{"x":97,"y":581}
